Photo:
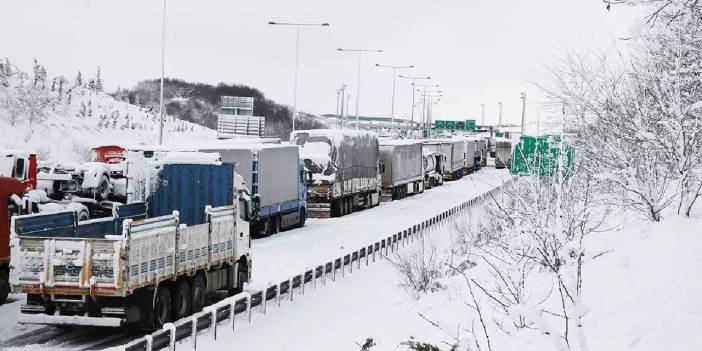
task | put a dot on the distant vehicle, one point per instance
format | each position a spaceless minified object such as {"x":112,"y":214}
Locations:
{"x":341,"y":170}
{"x":503,"y":153}
{"x":433,"y":168}
{"x":151,"y":262}
{"x":401,"y":168}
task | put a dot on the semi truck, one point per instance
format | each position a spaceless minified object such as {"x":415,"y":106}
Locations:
{"x":275,"y":176}
{"x":454,"y":150}
{"x":341,"y":170}
{"x":433,"y":168}
{"x":151,"y":262}
{"x":401,"y":168}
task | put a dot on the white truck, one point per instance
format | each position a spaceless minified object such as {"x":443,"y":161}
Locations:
{"x":150,"y":263}
{"x":401,"y":168}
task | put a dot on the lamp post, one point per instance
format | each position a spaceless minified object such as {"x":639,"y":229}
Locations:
{"x":340,"y":93}
{"x":414,"y":81}
{"x":163,"y":71}
{"x":392,"y":108}
{"x":297,"y":56}
{"x":424,"y":107}
{"x":358,"y":83}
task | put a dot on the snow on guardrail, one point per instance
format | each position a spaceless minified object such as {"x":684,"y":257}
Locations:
{"x":243,"y":303}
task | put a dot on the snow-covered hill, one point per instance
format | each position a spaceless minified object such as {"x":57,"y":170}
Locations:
{"x":67,"y":121}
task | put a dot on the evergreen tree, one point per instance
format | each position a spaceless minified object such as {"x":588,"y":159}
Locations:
{"x":39,"y":74}
{"x":79,"y":79}
{"x":98,"y":81}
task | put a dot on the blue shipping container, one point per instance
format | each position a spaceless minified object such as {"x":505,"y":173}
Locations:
{"x":189,"y":188}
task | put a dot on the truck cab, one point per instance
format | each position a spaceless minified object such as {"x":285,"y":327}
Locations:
{"x":18,"y":174}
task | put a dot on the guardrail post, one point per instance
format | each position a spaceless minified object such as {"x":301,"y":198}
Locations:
{"x":290,"y":288}
{"x":149,"y":341}
{"x":171,"y":336}
{"x":343,"y":267}
{"x":351,"y":262}
{"x":302,"y":281}
{"x":193,"y":332}
{"x":213,"y":323}
{"x":248,"y":306}
{"x":277,"y":294}
{"x":265,"y":300}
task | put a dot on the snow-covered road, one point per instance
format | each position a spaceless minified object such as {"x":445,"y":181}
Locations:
{"x":280,"y":256}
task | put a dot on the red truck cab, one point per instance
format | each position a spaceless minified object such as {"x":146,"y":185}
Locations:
{"x":18,"y":174}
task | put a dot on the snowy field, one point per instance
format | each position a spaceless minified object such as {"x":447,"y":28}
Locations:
{"x":641,"y":294}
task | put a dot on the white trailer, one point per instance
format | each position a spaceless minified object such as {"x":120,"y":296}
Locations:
{"x":401,"y":168}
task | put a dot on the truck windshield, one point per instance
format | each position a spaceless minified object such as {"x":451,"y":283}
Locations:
{"x":7,"y":162}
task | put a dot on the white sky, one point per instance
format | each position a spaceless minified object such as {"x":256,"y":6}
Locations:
{"x":479,"y":51}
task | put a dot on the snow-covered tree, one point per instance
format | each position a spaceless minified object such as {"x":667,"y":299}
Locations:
{"x":79,"y":79}
{"x":98,"y":81}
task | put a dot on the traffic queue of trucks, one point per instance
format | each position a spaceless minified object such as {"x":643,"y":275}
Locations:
{"x":184,"y":228}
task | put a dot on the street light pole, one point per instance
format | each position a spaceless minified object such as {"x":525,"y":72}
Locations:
{"x":424,"y":102}
{"x":499,"y":121}
{"x":482,"y":118}
{"x":414,"y":82}
{"x":163,"y":71}
{"x":358,"y":83}
{"x":523,"y":110}
{"x":297,"y":57}
{"x":394,"y":76}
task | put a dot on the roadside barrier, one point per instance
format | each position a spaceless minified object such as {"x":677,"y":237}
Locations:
{"x":211,"y":320}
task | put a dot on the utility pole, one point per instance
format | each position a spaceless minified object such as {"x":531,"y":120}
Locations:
{"x":297,"y":57}
{"x":523,"y":110}
{"x":358,"y":83}
{"x":499,"y":123}
{"x":482,"y":118}
{"x":394,"y":76}
{"x":163,"y":71}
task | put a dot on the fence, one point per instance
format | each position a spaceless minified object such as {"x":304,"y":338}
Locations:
{"x":243,"y":303}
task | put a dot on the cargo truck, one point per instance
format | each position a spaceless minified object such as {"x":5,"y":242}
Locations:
{"x":341,"y":170}
{"x":151,"y":262}
{"x":275,"y":176}
{"x":454,"y":151}
{"x":401,"y":168}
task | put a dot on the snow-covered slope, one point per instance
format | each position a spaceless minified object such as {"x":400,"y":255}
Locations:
{"x":71,"y":126}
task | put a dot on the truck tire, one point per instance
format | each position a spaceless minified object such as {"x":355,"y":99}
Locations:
{"x":182,"y":303}
{"x":103,"y":189}
{"x":161,"y":311}
{"x":241,"y":273}
{"x":197,"y":293}
{"x":303,"y":218}
{"x":4,"y":290}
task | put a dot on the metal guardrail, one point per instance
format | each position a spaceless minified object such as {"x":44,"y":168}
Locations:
{"x":229,"y":308}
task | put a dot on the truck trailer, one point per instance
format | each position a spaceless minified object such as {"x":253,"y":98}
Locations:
{"x":503,"y":153}
{"x":341,"y":170}
{"x":275,"y":176}
{"x":151,"y":262}
{"x":401,"y":168}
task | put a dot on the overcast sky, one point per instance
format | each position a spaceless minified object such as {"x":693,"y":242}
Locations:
{"x":478,"y":51}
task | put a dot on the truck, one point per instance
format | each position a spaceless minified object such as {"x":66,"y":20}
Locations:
{"x":472,"y":156}
{"x":151,"y":262}
{"x":275,"y":175}
{"x":433,"y":168}
{"x":341,"y":170}
{"x":401,"y":168}
{"x":503,"y":152}
{"x":454,"y":150}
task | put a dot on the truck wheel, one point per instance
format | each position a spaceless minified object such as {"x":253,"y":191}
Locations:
{"x":303,"y":218}
{"x":275,"y":227}
{"x":197,"y":293}
{"x":181,"y":300}
{"x":240,"y":278}
{"x":4,"y":290}
{"x":103,"y":189}
{"x":83,"y":216}
{"x":162,"y":307}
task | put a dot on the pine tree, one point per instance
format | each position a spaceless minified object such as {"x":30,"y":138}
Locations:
{"x":79,"y":79}
{"x":98,"y":81}
{"x":39,"y":74}
{"x":61,"y":81}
